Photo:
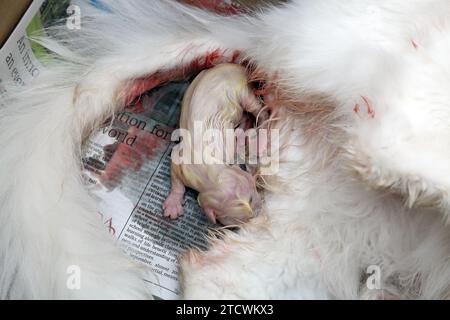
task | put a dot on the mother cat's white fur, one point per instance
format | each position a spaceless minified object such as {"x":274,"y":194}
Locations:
{"x":380,"y":197}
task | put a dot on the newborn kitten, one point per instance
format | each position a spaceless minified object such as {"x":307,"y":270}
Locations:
{"x":217,"y":99}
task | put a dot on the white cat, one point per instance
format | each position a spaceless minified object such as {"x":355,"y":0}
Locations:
{"x":363,"y":185}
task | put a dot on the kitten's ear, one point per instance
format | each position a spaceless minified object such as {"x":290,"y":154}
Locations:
{"x":211,"y":214}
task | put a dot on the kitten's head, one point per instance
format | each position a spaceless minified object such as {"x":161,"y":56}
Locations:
{"x":235,"y":198}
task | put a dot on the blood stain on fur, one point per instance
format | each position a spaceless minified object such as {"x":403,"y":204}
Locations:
{"x":207,"y":61}
{"x":138,"y":86}
{"x":217,"y":6}
{"x":235,"y":57}
{"x":370,"y":109}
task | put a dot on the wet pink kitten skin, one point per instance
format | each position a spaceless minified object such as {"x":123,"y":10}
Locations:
{"x":217,"y":98}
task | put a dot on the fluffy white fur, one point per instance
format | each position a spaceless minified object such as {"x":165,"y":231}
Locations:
{"x":353,"y":191}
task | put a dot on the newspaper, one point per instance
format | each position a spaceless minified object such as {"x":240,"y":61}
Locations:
{"x":127,"y":167}
{"x":18,"y":64}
